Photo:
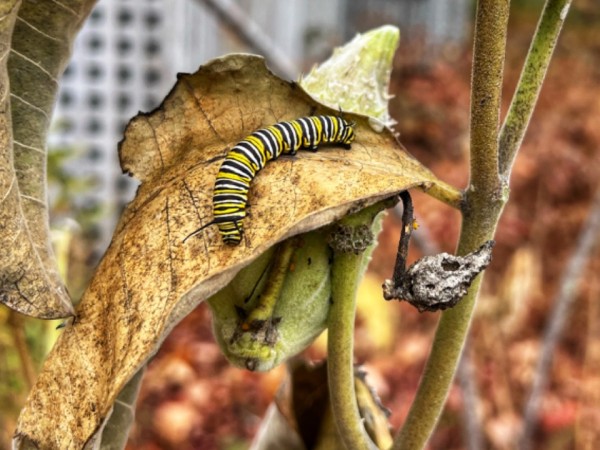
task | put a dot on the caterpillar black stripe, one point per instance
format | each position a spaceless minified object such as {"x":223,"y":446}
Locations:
{"x":249,"y":156}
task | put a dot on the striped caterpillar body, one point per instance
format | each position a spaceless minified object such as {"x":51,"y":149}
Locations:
{"x":249,"y":156}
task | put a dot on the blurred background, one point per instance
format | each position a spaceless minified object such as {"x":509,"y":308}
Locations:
{"x":126,"y":59}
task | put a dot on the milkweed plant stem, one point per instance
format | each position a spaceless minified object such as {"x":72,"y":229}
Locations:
{"x":491,"y":159}
{"x":340,"y":363}
{"x":346,"y":272}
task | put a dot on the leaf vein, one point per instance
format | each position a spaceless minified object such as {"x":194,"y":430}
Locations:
{"x":30,"y":25}
{"x":36,"y":64}
{"x":33,"y":199}
{"x":10,"y":188}
{"x":37,"y":108}
{"x":162,"y":161}
{"x":191,"y":194}
{"x":199,"y":105}
{"x":30,"y":147}
{"x":62,"y":5}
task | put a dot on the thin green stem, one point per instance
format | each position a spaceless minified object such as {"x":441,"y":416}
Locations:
{"x":17,"y":327}
{"x":481,"y":211}
{"x":530,"y":83}
{"x":340,"y":368}
{"x":447,"y":193}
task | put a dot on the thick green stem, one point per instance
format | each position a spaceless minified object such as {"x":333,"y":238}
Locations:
{"x":439,"y":372}
{"x":491,"y":162}
{"x":486,"y":90}
{"x":481,"y":211}
{"x":530,"y":83}
{"x":340,"y":368}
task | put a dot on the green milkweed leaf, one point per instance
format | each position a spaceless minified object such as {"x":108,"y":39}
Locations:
{"x":36,"y":42}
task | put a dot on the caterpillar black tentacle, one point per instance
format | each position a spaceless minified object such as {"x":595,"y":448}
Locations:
{"x":250,"y":155}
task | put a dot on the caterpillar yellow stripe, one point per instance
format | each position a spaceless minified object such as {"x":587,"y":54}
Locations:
{"x":250,"y":155}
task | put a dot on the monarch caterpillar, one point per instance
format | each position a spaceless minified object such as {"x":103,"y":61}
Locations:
{"x":250,"y":155}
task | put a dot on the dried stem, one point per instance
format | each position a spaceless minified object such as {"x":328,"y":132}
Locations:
{"x":472,"y":434}
{"x":408,"y":221}
{"x":586,"y":433}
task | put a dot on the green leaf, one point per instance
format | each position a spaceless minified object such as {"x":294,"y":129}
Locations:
{"x":34,"y":54}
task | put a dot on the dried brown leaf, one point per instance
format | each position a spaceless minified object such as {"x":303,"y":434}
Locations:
{"x":149,"y":278}
{"x":300,"y":416}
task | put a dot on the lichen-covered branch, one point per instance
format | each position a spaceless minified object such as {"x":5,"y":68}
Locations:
{"x":438,"y":282}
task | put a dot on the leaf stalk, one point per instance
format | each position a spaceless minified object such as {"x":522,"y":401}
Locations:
{"x":340,"y":346}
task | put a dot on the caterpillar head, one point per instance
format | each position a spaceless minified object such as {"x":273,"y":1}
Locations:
{"x":231,"y":232}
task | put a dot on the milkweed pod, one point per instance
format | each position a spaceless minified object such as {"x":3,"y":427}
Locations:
{"x":298,"y":316}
